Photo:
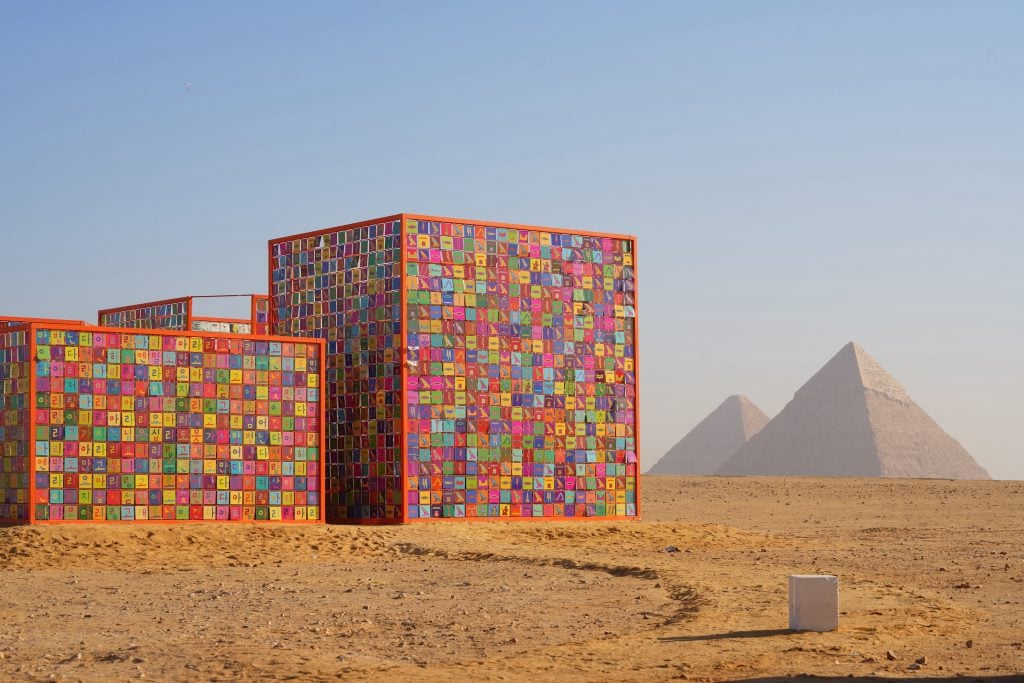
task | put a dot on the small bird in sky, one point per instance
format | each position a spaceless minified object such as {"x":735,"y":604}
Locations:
{"x":188,"y":87}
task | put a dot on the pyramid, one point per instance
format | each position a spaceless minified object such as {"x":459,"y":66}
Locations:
{"x":852,"y":419}
{"x":714,"y":440}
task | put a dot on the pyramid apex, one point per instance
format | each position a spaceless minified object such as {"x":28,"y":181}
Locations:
{"x":874,"y":377}
{"x":852,"y":348}
{"x":853,"y":367}
{"x":744,"y":402}
{"x":740,"y":401}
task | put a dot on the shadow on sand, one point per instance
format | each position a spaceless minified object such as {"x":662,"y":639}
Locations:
{"x":764,"y":633}
{"x":1010,"y":678}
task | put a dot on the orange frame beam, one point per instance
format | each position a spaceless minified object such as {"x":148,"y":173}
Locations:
{"x":15,"y":321}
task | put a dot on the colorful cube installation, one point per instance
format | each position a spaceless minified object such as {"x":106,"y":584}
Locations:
{"x":473,"y":369}
{"x":110,"y":425}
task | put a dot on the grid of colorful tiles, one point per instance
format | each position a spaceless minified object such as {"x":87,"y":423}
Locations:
{"x":15,"y":386}
{"x":521,"y":387}
{"x":343,"y":285}
{"x":172,"y":314}
{"x":176,"y":426}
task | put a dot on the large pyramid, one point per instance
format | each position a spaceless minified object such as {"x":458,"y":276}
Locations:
{"x":714,"y":440}
{"x":852,"y":419}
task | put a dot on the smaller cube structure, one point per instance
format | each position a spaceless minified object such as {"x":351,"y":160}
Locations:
{"x":474,"y":369}
{"x":178,"y":314}
{"x":112,"y":425}
{"x":813,"y":602}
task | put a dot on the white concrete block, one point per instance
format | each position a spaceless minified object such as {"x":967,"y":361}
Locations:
{"x":813,"y":602}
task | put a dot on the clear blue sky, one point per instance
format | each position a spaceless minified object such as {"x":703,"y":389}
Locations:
{"x":800,"y":174}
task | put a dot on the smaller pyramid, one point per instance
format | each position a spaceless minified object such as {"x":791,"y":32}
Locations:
{"x":714,"y":440}
{"x":853,"y":419}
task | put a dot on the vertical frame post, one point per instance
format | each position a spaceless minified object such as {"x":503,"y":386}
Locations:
{"x":30,"y":427}
{"x":322,"y":344}
{"x":403,"y":372}
{"x":636,"y":368}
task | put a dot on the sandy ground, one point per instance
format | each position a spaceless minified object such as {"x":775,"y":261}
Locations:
{"x":931,"y":569}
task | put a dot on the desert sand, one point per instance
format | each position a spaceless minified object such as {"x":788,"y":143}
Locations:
{"x":928,"y":569}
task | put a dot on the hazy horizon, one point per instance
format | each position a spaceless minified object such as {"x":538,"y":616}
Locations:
{"x":799,"y":174}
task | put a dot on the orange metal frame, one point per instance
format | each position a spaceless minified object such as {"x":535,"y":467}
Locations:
{"x":143,"y":304}
{"x":190,"y":317}
{"x":17,"y":320}
{"x":175,"y":333}
{"x":403,"y":481}
{"x":402,"y":218}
